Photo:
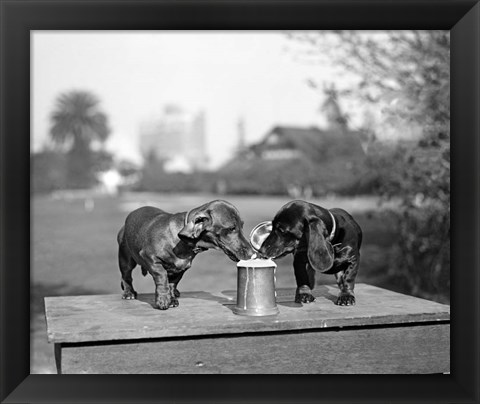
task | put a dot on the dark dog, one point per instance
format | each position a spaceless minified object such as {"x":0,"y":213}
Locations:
{"x":165,"y":244}
{"x":324,"y":240}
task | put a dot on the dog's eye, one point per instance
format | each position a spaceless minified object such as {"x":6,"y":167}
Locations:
{"x":281,"y":230}
{"x":233,"y":228}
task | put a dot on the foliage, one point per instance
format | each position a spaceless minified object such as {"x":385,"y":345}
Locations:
{"x":78,"y":124}
{"x":48,"y":171}
{"x":53,"y":170}
{"x":155,"y":178}
{"x":413,"y":66}
{"x":77,"y":120}
{"x":418,"y":175}
{"x":127,"y":168}
{"x":257,"y":176}
{"x":406,"y":74}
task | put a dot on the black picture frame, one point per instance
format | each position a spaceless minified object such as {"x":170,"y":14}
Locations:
{"x":18,"y":17}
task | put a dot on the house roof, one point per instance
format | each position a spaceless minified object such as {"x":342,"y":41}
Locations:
{"x":316,"y":143}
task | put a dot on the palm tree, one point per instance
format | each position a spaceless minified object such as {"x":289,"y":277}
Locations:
{"x":77,"y":120}
{"x":76,"y":123}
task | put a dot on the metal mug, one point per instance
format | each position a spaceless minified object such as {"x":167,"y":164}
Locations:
{"x":256,"y":294}
{"x":259,"y":233}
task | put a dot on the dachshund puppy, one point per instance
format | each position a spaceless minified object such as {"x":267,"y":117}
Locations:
{"x":165,"y":244}
{"x":321,"y":240}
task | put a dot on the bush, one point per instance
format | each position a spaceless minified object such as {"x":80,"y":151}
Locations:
{"x":49,"y":171}
{"x":262,"y":177}
{"x":422,"y":255}
{"x":53,"y":170}
{"x":154,"y":178}
{"x":419,"y":175}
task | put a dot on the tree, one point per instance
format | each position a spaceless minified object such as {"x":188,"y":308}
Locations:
{"x":413,"y":66}
{"x":76,"y":124}
{"x":406,"y":74}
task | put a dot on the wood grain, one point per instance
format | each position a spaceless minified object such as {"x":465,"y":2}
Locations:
{"x":379,"y":350}
{"x":73,"y":319}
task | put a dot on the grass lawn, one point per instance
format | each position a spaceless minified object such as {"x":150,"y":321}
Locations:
{"x":74,"y":250}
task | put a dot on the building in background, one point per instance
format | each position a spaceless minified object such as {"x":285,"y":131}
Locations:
{"x":300,"y":160}
{"x":336,"y":141}
{"x":177,"y":138}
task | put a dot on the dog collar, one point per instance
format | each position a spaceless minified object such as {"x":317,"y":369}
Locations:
{"x":334,"y":228}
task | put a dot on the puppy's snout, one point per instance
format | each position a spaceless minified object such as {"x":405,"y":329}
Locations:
{"x":262,"y":255}
{"x":187,"y":238}
{"x":270,"y":249}
{"x":265,"y":249}
{"x":248,"y":252}
{"x":239,"y":255}
{"x":245,"y":251}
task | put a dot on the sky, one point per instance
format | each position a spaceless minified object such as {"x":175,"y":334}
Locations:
{"x":253,"y":76}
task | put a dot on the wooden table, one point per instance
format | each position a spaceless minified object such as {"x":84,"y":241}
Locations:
{"x":385,"y":332}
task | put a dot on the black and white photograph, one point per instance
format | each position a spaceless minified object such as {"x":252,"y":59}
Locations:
{"x":240,"y":202}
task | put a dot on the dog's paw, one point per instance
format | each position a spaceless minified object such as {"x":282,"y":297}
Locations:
{"x":129,"y":295}
{"x":163,"y":302}
{"x":303,"y":294}
{"x":345,"y":299}
{"x":304,"y":298}
{"x":174,"y":302}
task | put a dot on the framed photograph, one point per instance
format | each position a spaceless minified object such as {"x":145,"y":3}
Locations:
{"x":29,"y":33}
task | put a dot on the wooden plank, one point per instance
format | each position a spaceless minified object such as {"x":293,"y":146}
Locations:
{"x":393,"y":350}
{"x":108,"y":317}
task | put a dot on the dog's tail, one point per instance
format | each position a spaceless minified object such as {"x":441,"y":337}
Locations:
{"x":120,"y":235}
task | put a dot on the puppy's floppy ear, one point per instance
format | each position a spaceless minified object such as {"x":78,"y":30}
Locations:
{"x":320,"y":251}
{"x":197,"y":223}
